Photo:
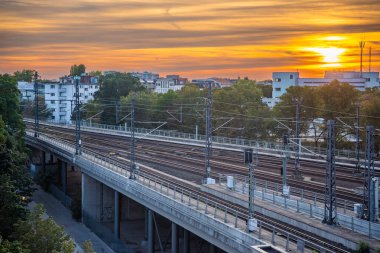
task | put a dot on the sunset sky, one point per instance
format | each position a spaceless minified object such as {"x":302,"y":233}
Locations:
{"x":192,"y":38}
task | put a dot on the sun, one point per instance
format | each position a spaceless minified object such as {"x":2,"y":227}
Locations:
{"x":329,"y":54}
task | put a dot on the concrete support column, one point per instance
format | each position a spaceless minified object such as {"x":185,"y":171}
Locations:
{"x":116,"y":220}
{"x":83,"y":197}
{"x":150,"y":232}
{"x":51,"y":158}
{"x":174,"y":238}
{"x":186,"y":241}
{"x":64,"y":176}
{"x":43,"y":161}
{"x":212,"y":248}
{"x":146,"y":224}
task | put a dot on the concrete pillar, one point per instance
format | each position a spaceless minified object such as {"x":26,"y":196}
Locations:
{"x":174,"y":238}
{"x":146,"y":224}
{"x":51,"y":158}
{"x":186,"y":241}
{"x":43,"y":161}
{"x":116,"y":220}
{"x":64,"y":176}
{"x":212,"y":248}
{"x":83,"y":196}
{"x":150,"y":232}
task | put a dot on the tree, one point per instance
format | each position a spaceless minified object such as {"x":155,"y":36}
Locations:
{"x":41,"y":235}
{"x":29,"y":110}
{"x":87,"y":247}
{"x":12,"y":247}
{"x":25,"y":75}
{"x":95,"y":73}
{"x":77,"y":70}
{"x":285,"y":111}
{"x":15,"y":181}
{"x":112,"y":87}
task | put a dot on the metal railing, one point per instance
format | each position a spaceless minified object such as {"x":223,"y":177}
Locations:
{"x":226,"y":214}
{"x":303,"y":201}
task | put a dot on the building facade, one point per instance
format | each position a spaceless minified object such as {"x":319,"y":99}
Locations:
{"x":170,"y":82}
{"x":284,"y":80}
{"x":60,"y":97}
{"x":147,"y":79}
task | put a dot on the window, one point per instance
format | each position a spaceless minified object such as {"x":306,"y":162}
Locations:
{"x":96,"y":86}
{"x":278,"y":89}
{"x":52,"y":117}
{"x":52,"y":86}
{"x":53,"y":110}
{"x":85,"y":89}
{"x":291,"y":76}
{"x":52,"y":102}
{"x":85,"y":97}
{"x":52,"y":94}
{"x":277,"y":79}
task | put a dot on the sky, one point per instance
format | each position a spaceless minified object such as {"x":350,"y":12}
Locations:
{"x":196,"y":39}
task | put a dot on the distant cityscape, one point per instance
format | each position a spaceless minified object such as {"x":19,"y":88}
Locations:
{"x":59,"y":95}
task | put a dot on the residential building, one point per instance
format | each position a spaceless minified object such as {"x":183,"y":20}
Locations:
{"x":148,"y":79}
{"x":215,"y":82}
{"x":170,"y":82}
{"x":60,"y":97}
{"x":27,"y":90}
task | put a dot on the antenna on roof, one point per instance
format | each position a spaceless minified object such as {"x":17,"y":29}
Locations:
{"x":369,"y":59}
{"x":361,"y":45}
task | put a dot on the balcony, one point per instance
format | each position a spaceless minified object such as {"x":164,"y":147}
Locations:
{"x":62,"y":90}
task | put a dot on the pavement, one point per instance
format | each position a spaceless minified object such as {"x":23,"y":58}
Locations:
{"x":62,"y":216}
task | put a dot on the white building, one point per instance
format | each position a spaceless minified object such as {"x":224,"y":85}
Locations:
{"x":26,"y":90}
{"x":170,"y":82}
{"x":283,"y":80}
{"x":60,"y":97}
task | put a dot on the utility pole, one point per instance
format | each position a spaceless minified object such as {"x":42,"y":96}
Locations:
{"x":285,"y":188}
{"x":330,"y":188}
{"x":357,"y":143}
{"x":297,"y":172}
{"x":248,"y":160}
{"x":117,"y":112}
{"x":36,"y":120}
{"x":369,"y":206}
{"x":77,"y":119}
{"x":208,"y":147}
{"x":132,"y":160}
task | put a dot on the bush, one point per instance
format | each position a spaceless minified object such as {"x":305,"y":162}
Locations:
{"x":363,"y":247}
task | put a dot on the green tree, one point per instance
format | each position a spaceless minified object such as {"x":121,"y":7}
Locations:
{"x":12,"y":247}
{"x":25,"y":75}
{"x":15,"y":181}
{"x":40,"y":235}
{"x":77,"y":70}
{"x":112,"y":87}
{"x":95,"y":73}
{"x":242,"y":106}
{"x":29,"y":110}
{"x":87,"y":247}
{"x":369,"y":107}
{"x":285,"y":111}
